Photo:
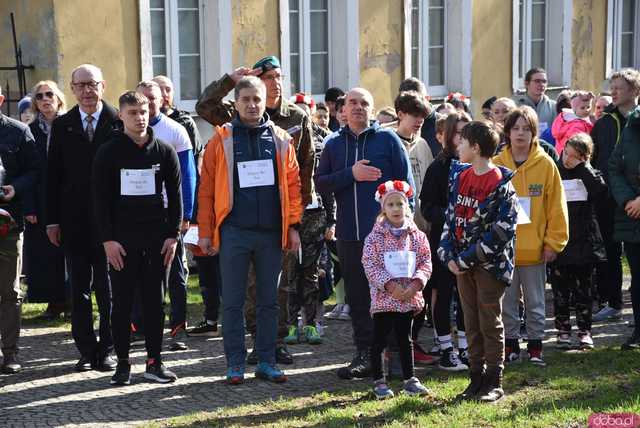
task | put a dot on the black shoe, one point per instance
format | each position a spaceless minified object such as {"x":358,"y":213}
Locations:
{"x":106,"y":363}
{"x":283,"y":356}
{"x":633,"y":342}
{"x":204,"y":329}
{"x":491,"y":390}
{"x":84,"y":364}
{"x":252,"y":359}
{"x":158,"y":373}
{"x":471,"y":392}
{"x":10,"y":364}
{"x":359,"y":367}
{"x":122,"y":376}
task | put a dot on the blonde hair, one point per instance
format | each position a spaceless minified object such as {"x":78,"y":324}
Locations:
{"x":62,"y":104}
{"x":382,"y":216}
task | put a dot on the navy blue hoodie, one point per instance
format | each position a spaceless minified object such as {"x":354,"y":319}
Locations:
{"x":356,"y":204}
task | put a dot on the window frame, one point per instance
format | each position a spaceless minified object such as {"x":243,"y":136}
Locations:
{"x":212,"y":38}
{"x":614,"y":33}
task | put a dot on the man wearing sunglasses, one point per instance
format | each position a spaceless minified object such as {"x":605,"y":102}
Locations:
{"x":71,"y":222}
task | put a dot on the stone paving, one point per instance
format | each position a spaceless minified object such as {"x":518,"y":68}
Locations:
{"x":49,"y":393}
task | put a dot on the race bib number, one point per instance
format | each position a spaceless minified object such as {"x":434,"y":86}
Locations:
{"x":574,"y":190}
{"x":524,"y":210}
{"x":256,"y":173}
{"x":400,"y":264}
{"x":137,"y":182}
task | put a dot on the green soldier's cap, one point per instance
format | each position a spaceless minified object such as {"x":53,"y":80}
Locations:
{"x":268,"y":63}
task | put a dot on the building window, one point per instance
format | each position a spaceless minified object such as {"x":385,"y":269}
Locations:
{"x":541,"y":28}
{"x":309,"y":45}
{"x":176,"y":46}
{"x":428,"y":35}
{"x":437,"y":56}
{"x":626,"y":33}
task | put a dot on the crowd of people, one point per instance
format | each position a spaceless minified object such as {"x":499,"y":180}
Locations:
{"x":404,"y":213}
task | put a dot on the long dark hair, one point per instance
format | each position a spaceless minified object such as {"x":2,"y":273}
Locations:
{"x":450,"y":129}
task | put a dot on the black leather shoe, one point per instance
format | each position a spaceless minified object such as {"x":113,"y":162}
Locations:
{"x":84,"y":364}
{"x":106,"y":363}
{"x":283,"y":356}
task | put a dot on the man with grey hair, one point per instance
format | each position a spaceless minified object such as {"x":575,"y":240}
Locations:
{"x":18,"y":155}
{"x":70,"y":216}
{"x":250,"y":209}
{"x":172,"y":133}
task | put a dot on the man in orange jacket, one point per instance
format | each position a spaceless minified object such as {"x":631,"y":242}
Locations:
{"x":250,"y":207}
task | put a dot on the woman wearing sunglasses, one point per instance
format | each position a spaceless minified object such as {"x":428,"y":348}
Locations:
{"x":44,"y":262}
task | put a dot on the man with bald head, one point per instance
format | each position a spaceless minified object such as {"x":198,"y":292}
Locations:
{"x":355,"y":160}
{"x":70,"y":219}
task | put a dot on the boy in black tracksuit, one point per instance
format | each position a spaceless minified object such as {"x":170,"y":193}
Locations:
{"x":138,"y":233}
{"x":571,"y":275}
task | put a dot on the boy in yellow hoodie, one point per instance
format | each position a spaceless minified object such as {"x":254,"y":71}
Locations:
{"x":542,"y":230}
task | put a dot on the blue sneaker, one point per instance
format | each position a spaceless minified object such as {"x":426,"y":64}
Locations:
{"x":235,"y":375}
{"x":381,"y":390}
{"x":414,"y":387}
{"x":270,"y":372}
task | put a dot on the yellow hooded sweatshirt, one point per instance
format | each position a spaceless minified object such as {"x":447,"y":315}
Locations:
{"x":539,"y":180}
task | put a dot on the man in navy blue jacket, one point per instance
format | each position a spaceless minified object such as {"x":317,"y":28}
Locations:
{"x":355,"y":160}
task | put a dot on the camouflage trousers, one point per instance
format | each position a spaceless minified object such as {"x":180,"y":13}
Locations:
{"x":572,"y":287}
{"x":300,"y":278}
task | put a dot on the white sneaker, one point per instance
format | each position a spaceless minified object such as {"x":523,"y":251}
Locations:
{"x":344,"y":314}
{"x":320,"y":328}
{"x":585,"y":339}
{"x":335,"y":312}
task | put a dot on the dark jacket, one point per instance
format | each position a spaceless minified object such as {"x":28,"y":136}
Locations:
{"x":38,"y":202}
{"x":434,"y":196}
{"x":132,"y":220}
{"x":585,"y":244}
{"x":20,"y":160}
{"x":428,"y":132}
{"x":356,"y":204}
{"x":624,"y":178}
{"x":69,"y":167}
{"x":213,"y":108}
{"x":606,"y":133}
{"x":489,"y":237}
{"x":185,"y":119}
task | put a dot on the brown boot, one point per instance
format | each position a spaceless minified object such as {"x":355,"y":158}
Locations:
{"x":491,"y":390}
{"x":474,"y":387}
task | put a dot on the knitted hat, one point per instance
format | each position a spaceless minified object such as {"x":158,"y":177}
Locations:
{"x":24,"y":104}
{"x":267,"y":63}
{"x":390,"y":187}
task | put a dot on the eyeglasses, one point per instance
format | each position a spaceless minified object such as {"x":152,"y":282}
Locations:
{"x":41,"y":95}
{"x":90,"y":84}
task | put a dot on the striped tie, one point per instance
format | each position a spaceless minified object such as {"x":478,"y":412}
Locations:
{"x":89,"y":130}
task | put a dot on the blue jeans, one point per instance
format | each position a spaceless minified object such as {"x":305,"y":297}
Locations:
{"x":632,"y":251}
{"x":237,"y":246}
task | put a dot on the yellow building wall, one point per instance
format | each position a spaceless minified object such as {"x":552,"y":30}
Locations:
{"x":255,"y":31}
{"x":35,"y":30}
{"x":381,"y":47}
{"x":107,"y":36}
{"x":589,"y":31}
{"x":491,"y":66}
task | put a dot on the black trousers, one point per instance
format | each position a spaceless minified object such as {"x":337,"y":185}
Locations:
{"x":445,"y":283}
{"x":357,"y":294}
{"x":383,"y":324}
{"x":609,"y":273}
{"x":88,"y":272}
{"x":210,"y":285}
{"x":143,"y":272}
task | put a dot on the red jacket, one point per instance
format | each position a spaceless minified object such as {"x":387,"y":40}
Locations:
{"x":566,"y":125}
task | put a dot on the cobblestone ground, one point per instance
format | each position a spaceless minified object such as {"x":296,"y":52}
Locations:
{"x":49,"y":393}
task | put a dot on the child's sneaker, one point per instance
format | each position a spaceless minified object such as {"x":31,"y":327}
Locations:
{"x":535,"y":357}
{"x":320,"y":328}
{"x":235,"y":375}
{"x":421,"y":357}
{"x":414,"y":387}
{"x":311,"y":335}
{"x":344,"y":314}
{"x":563,"y":340}
{"x":293,"y":336}
{"x":270,"y":372}
{"x":381,"y":390}
{"x":156,"y":371}
{"x":334,"y":314}
{"x":450,"y":362}
{"x":585,"y":340}
{"x":463,"y":354}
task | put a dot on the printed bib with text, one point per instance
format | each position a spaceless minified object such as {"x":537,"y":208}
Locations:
{"x":400,"y":264}
{"x":256,"y":173}
{"x":137,"y":182}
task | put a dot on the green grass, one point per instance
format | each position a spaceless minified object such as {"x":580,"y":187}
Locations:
{"x":564,"y":394}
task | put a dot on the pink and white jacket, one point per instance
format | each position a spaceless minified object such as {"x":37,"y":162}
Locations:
{"x":566,"y":125}
{"x":382,"y":240}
